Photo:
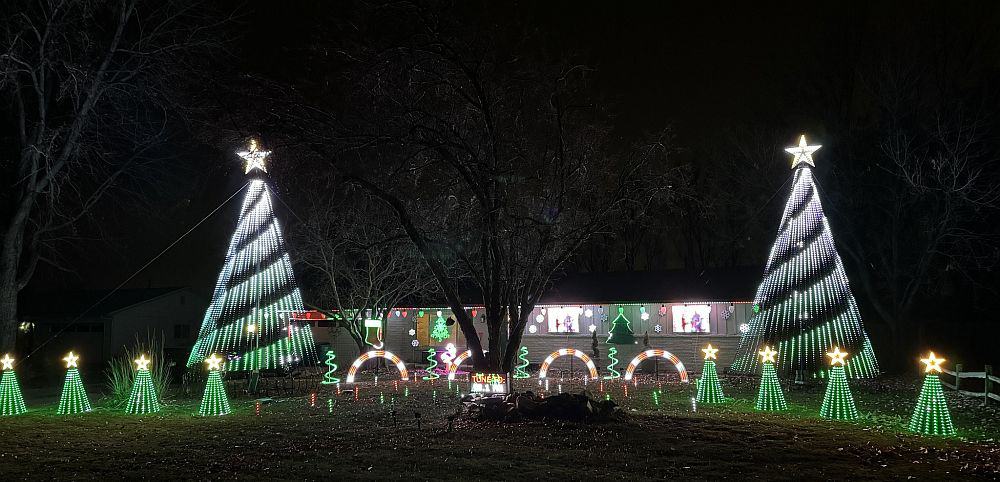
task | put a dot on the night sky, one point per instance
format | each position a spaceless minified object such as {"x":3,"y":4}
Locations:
{"x":698,"y":69}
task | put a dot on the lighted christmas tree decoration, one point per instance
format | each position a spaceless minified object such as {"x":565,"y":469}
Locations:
{"x":621,"y":330}
{"x":709,"y":387}
{"x":432,"y":363}
{"x":143,"y":399}
{"x":519,"y":370}
{"x":804,"y":303}
{"x":331,"y":368}
{"x":613,"y":356}
{"x":931,"y":415}
{"x":250,"y":311}
{"x":838,"y":402}
{"x":440,"y":331}
{"x":74,"y":397}
{"x":11,"y":400}
{"x":770,"y":398}
{"x":215,"y":402}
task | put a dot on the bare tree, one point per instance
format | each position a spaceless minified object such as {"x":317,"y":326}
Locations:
{"x":85,"y":82}
{"x":496,"y":166}
{"x":365,"y":265}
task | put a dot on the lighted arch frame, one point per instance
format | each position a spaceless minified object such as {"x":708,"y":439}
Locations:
{"x":656,"y":352}
{"x":453,"y":369}
{"x":377,"y":354}
{"x":567,"y":351}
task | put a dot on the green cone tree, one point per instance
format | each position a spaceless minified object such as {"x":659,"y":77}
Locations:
{"x":73,"y":399}
{"x":931,"y":415}
{"x":770,"y":398}
{"x":838,"y":402}
{"x":11,"y":400}
{"x":709,"y":387}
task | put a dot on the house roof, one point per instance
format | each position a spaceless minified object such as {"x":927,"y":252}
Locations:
{"x":731,"y":284}
{"x":90,"y":302}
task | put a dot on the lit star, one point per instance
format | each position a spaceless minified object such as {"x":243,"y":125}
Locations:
{"x":803,"y":153}
{"x":933,"y":363}
{"x":254,"y":157}
{"x":710,"y":353}
{"x":142,"y":363}
{"x":836,"y":356}
{"x":767,"y":355}
{"x":214,"y":362}
{"x":8,"y":362}
{"x":71,"y":360}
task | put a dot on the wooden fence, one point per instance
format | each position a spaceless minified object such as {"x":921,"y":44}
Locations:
{"x":989,"y":382}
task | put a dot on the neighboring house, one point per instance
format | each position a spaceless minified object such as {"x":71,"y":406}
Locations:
{"x":681,"y":311}
{"x":98,"y":325}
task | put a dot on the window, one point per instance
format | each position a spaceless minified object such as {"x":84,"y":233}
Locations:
{"x":691,"y":318}
{"x":564,"y":319}
{"x":182,"y":332}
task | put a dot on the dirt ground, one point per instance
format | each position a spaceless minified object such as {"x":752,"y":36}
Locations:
{"x":377,"y":436}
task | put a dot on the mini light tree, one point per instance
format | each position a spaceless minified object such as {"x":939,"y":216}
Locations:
{"x":214,"y":402}
{"x":709,"y":388}
{"x":931,"y":416}
{"x":838,"y":402}
{"x":11,"y":400}
{"x":74,"y":397}
{"x":770,"y":397}
{"x":432,"y":364}
{"x":440,"y":331}
{"x":613,"y":356}
{"x":621,"y":330}
{"x":143,"y":399}
{"x":519,"y":370}
{"x":331,"y":368}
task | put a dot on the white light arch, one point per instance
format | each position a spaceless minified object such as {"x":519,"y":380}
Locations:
{"x":567,"y":351}
{"x":658,"y":353}
{"x":377,"y":354}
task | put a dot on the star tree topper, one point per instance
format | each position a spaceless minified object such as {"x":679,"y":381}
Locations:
{"x":214,"y":362}
{"x":836,"y":356}
{"x":932,"y":362}
{"x":71,"y":360}
{"x":254,"y":157}
{"x":802,"y":153}
{"x":8,"y":362}
{"x":142,"y":363}
{"x":767,"y":355}
{"x":710,"y":353}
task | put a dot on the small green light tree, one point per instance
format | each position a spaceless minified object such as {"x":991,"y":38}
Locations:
{"x":331,"y":368}
{"x":770,"y":398}
{"x":613,"y":356}
{"x":11,"y":400}
{"x":215,"y":402}
{"x":519,"y":370}
{"x":709,"y":387}
{"x":440,"y":331}
{"x":74,"y":397}
{"x":931,"y":415}
{"x":143,"y":398}
{"x":432,"y":363}
{"x":621,"y":330}
{"x":838,"y":402}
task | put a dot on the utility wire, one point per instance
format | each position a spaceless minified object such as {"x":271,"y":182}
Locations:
{"x":136,"y":273}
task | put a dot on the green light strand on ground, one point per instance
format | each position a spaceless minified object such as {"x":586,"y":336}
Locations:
{"x":73,"y":399}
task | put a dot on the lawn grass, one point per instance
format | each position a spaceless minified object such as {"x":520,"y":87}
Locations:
{"x":364,"y":439}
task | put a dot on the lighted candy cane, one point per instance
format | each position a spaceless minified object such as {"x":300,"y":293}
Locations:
{"x":656,"y":352}
{"x":404,"y":375}
{"x":563,"y":352}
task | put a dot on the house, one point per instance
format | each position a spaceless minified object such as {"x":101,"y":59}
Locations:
{"x":677,"y":311}
{"x":98,"y":325}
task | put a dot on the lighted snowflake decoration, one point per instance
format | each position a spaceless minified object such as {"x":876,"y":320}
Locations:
{"x":413,"y":332}
{"x":658,"y":328}
{"x":589,"y":313}
{"x":644,"y":316}
{"x":532,"y":329}
{"x":744,"y":327}
{"x":539,"y":319}
{"x":414,"y":343}
{"x":593,"y":328}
